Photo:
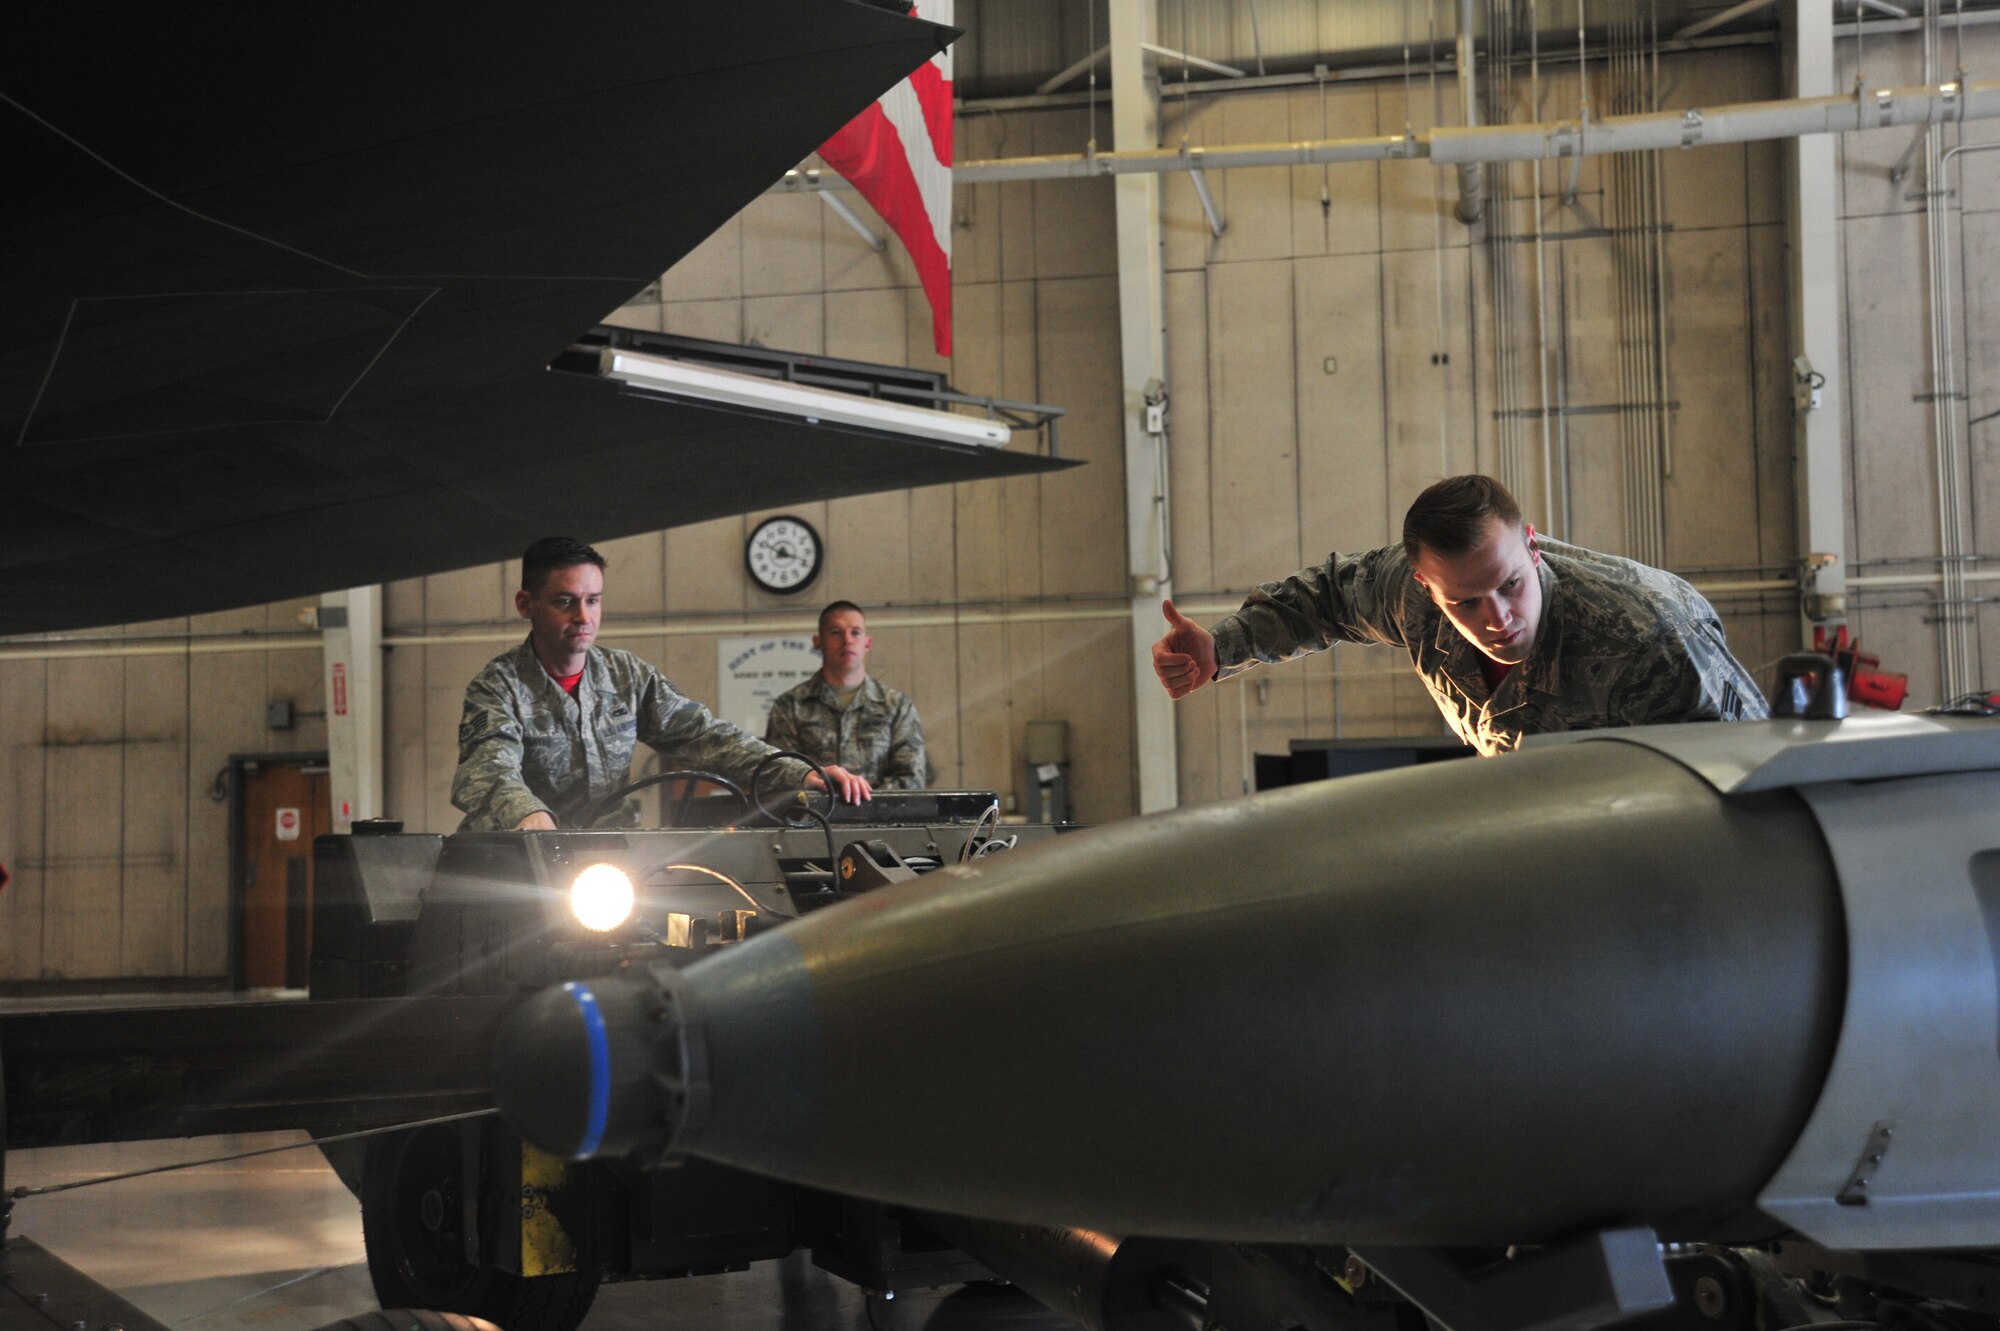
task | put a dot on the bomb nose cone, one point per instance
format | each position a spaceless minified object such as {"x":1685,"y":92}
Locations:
{"x":551,"y":1070}
{"x":586,"y":1069}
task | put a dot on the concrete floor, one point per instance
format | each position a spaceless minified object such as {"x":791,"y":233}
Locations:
{"x":274,"y":1244}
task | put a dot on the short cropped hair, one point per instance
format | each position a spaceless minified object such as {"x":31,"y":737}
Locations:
{"x":835,"y":607}
{"x":1449,"y":518}
{"x":551,"y":554}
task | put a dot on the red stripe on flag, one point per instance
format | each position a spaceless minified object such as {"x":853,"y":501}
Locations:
{"x":933,"y":91}
{"x":869,"y":154}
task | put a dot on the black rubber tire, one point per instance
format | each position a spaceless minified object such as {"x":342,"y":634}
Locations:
{"x":412,"y":1193}
{"x":409,"y":1319}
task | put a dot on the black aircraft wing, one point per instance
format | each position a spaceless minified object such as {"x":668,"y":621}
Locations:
{"x":283,"y":283}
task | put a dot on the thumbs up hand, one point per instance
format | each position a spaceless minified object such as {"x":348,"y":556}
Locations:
{"x":1185,"y":658}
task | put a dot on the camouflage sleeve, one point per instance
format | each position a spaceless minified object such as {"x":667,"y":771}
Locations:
{"x":687,"y":734}
{"x":1349,"y":598}
{"x":488,"y":785}
{"x":905,"y":768}
{"x":781,"y":730}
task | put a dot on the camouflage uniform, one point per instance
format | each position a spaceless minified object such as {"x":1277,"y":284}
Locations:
{"x":1620,"y":644}
{"x":526,"y":746}
{"x":879,"y":736}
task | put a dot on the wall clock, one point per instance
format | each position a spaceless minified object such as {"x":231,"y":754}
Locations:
{"x":783,"y":554}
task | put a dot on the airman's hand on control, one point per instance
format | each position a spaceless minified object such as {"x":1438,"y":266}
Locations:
{"x":852,"y":787}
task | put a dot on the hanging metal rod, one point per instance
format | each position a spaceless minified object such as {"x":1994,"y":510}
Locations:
{"x":1713,"y":21}
{"x":1166,"y":53}
{"x":853,"y":219}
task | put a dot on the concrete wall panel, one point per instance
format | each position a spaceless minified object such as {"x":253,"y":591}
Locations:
{"x":1253,"y":424}
{"x":784,"y":245}
{"x":1343,"y":499}
{"x":635,"y":576}
{"x":976,"y":225}
{"x":1866,"y":158}
{"x":1418,"y":196}
{"x":1256,"y":203}
{"x":1597,"y":479}
{"x":1711,"y":494}
{"x":1336,"y":208}
{"x":713,"y":271}
{"x":984,"y":721}
{"x":1889,"y":426}
{"x":850,"y":263}
{"x":1075,"y":225}
{"x":1082,"y":534}
{"x":84,"y":819}
{"x":643,"y":314}
{"x":715,"y":320}
{"x":1190,"y":430}
{"x":786,"y":323}
{"x":1198,"y":746}
{"x":23,"y":772}
{"x":1089,"y":684}
{"x":703,"y":563}
{"x":1771,"y":396}
{"x":1185,"y":238}
{"x":976,"y":509}
{"x":1593,"y":343}
{"x":220,"y":726}
{"x":470,"y":595}
{"x":154,"y":850}
{"x":1427,"y":384}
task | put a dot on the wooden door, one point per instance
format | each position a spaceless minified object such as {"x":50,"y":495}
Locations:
{"x":285,"y":805}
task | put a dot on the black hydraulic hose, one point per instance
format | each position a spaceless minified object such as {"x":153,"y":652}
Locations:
{"x":825,"y":820}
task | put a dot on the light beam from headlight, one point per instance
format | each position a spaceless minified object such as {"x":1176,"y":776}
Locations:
{"x":601,"y":898}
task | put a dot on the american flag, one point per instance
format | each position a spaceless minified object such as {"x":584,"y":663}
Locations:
{"x":897,"y":155}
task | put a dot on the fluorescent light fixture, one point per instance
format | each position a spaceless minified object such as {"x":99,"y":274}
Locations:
{"x":816,"y":406}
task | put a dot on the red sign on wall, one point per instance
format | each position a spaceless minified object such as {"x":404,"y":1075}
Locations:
{"x":340,"y":688}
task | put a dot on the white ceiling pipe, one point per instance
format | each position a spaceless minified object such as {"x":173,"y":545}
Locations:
{"x":1471,"y":177}
{"x":1741,"y":123}
{"x":1003,"y":169}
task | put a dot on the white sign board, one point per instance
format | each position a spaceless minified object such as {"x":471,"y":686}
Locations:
{"x":288,"y":824}
{"x":750,"y":672}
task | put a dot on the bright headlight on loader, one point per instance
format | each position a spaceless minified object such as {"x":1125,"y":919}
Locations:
{"x":601,"y":897}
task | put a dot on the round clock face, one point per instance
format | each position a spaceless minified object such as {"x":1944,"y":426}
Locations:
{"x":783,"y":554}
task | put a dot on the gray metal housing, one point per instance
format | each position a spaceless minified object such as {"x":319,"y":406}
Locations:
{"x":1903,"y":1147}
